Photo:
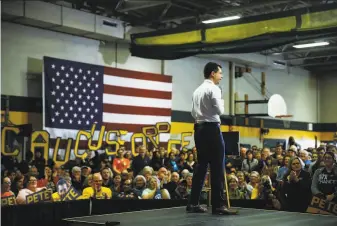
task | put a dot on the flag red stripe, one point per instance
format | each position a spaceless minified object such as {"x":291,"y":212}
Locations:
{"x":131,"y":128}
{"x":123,"y":109}
{"x":83,"y":144}
{"x":118,"y":90}
{"x":137,"y":75}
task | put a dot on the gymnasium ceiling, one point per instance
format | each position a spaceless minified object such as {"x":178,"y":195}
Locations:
{"x":166,"y":14}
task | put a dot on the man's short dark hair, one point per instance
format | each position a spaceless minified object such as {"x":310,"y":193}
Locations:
{"x":211,"y":67}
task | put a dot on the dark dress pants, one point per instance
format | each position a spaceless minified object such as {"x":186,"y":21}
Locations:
{"x":211,"y":150}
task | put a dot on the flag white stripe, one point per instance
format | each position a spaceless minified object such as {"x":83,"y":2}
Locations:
{"x":136,"y":101}
{"x":137,"y":83}
{"x":134,"y":119}
{"x":72,"y":133}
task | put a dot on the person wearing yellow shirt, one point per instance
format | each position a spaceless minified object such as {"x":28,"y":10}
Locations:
{"x":96,"y":191}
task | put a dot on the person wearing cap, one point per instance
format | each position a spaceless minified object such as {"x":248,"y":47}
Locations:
{"x":233,"y":189}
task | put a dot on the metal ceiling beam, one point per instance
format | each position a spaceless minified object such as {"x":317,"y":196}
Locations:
{"x":314,"y":49}
{"x":228,"y":9}
{"x":315,"y":64}
{"x":309,"y":58}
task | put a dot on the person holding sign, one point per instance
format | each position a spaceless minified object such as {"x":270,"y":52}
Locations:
{"x":324,"y":181}
{"x":207,"y":106}
{"x":6,"y":187}
{"x":96,"y":191}
{"x":30,"y":188}
{"x":7,"y":196}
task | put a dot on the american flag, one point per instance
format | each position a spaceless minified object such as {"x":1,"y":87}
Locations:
{"x":76,"y":95}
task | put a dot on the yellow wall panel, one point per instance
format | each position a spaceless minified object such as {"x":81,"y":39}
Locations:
{"x":16,"y":117}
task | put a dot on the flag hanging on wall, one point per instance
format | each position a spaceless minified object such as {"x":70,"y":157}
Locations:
{"x":76,"y":95}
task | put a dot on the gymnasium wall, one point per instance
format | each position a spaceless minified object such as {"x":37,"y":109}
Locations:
{"x":328,"y":97}
{"x":23,"y":48}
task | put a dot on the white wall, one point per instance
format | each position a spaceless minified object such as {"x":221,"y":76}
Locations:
{"x":328,"y":97}
{"x":298,"y":88}
{"x":23,"y":49}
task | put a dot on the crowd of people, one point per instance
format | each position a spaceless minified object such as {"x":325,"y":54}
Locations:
{"x":286,"y":178}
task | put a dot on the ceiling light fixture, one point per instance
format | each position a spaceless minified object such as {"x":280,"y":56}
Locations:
{"x":221,"y":19}
{"x":308,"y":45}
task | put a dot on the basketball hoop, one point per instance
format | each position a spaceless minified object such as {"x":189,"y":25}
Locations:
{"x":286,"y":123}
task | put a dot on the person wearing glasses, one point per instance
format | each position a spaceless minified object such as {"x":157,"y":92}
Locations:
{"x":30,"y":187}
{"x":97,"y":191}
{"x":6,"y":188}
{"x":324,"y":182}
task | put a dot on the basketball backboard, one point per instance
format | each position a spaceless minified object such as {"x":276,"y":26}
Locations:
{"x":277,"y":107}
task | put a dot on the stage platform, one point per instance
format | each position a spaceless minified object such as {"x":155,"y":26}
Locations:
{"x":177,"y":216}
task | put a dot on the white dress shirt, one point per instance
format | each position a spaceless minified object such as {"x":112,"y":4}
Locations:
{"x":207,"y":105}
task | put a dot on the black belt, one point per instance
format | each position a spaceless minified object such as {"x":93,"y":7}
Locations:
{"x":207,"y":123}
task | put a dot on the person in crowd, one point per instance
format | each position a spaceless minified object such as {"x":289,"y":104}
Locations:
{"x":39,"y":162}
{"x":269,"y":169}
{"x":181,"y":191}
{"x":234,"y":191}
{"x":242,"y":184}
{"x":153,"y":190}
{"x":324,"y":181}
{"x":62,"y":187}
{"x":87,"y":181}
{"x":253,"y":185}
{"x":6,"y":188}
{"x":140,"y":161}
{"x":17,"y":184}
{"x":189,"y":178}
{"x":30,"y":188}
{"x":97,"y":191}
{"x":304,"y":155}
{"x":318,"y":163}
{"x":77,"y":179}
{"x":249,"y":164}
{"x":156,"y":162}
{"x":296,"y":187}
{"x":171,"y":186}
{"x":171,"y":163}
{"x":47,"y":180}
{"x":267,"y":192}
{"x":120,"y":163}
{"x":116,"y":187}
{"x":292,"y":142}
{"x":127,"y":191}
{"x":139,"y":185}
{"x":283,"y":169}
{"x":85,"y":170}
{"x":107,"y":177}
{"x":278,"y":151}
{"x":190,"y":162}
{"x":292,"y":151}
{"x":314,"y":158}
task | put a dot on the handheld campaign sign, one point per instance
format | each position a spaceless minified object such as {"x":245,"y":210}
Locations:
{"x":322,"y":206}
{"x":8,"y":201}
{"x":40,"y":196}
{"x":62,"y":188}
{"x":72,"y":194}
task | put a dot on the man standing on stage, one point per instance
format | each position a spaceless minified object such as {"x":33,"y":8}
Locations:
{"x":207,"y":106}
